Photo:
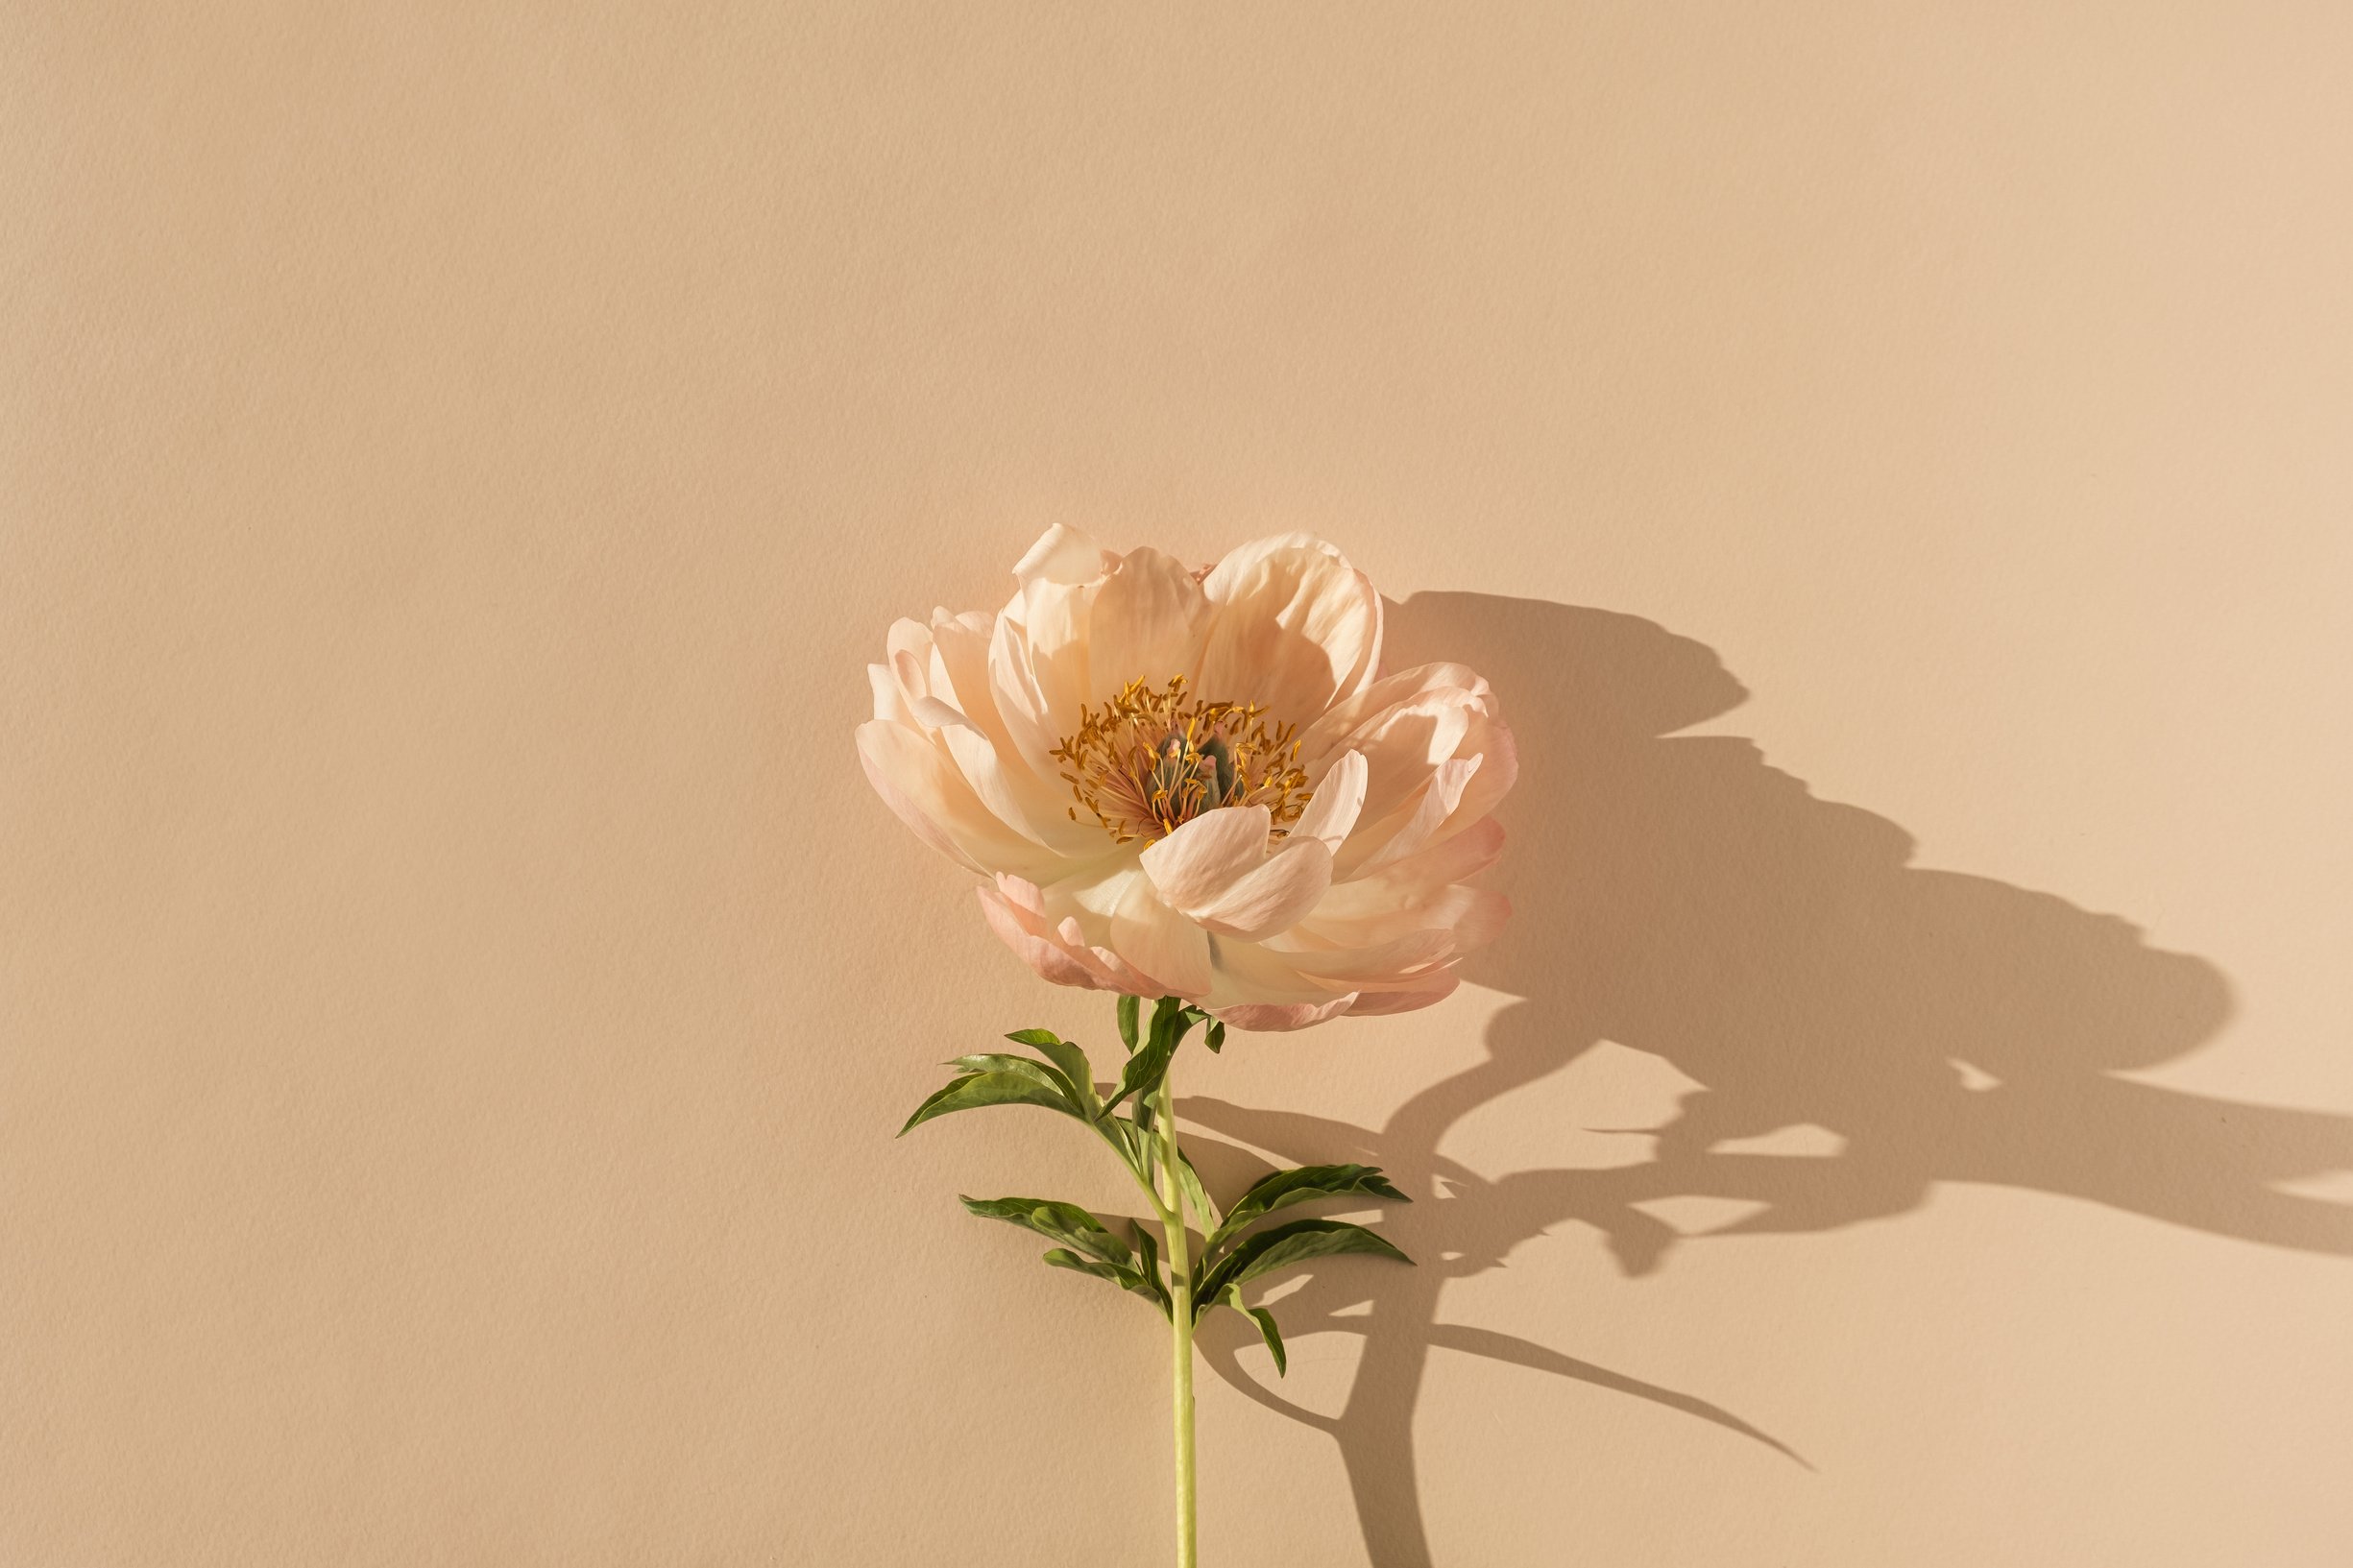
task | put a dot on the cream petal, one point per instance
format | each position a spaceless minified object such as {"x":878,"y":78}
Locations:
{"x":889,"y":705}
{"x":1021,"y":702}
{"x":1422,"y":818}
{"x":1334,"y":729}
{"x":1275,"y":896}
{"x":1402,"y":744}
{"x":1411,"y":953}
{"x":1210,"y":854}
{"x":1339,"y":796}
{"x":920,"y":785}
{"x":1295,"y":627}
{"x":1147,"y":623}
{"x":1473,"y":915}
{"x":1160,"y":942}
{"x":976,"y":759}
{"x":1061,"y":555}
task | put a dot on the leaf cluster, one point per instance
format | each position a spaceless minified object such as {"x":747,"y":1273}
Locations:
{"x":1235,"y":1250}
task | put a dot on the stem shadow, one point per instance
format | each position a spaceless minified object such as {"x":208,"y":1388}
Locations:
{"x":1678,"y":895}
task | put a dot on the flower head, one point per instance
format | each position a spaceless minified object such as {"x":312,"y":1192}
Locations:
{"x":1199,"y":784}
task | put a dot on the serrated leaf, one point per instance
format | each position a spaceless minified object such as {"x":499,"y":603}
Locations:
{"x":1056,"y":1221}
{"x":1069,"y":1060}
{"x":976,"y":1090}
{"x":1267,"y":1331}
{"x":1281,"y":1188}
{"x":1267,"y":1250}
{"x":1129,"y":1007}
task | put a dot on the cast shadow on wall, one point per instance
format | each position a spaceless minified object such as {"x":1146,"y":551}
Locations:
{"x":1676,"y":895}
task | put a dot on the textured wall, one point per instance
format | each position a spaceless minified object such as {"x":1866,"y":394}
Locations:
{"x":456,"y":992}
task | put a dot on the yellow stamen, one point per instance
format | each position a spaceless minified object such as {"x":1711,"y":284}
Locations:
{"x":1153,"y":759}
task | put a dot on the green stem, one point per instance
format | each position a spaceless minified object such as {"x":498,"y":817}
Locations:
{"x":1181,"y":1347}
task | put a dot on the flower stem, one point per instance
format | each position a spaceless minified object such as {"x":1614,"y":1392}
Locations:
{"x":1181,"y":1317}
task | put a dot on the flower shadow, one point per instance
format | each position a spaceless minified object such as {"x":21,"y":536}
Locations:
{"x":1675,"y":895}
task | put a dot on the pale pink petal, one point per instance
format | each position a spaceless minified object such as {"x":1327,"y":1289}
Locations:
{"x":1332,"y":731}
{"x":1407,"y":954}
{"x":1271,"y":1017}
{"x":1296,"y":627}
{"x":1050,"y":959}
{"x":918,"y":783}
{"x":1157,"y":940}
{"x":1209,"y":854}
{"x":1271,"y":898}
{"x":1423,"y":820}
{"x":1339,"y":796}
{"x":1474,"y":915}
{"x":1148,"y":622}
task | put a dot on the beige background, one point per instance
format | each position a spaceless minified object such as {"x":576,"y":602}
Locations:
{"x":456,"y":993}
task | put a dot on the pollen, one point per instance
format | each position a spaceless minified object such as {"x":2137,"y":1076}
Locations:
{"x":1155,"y":758}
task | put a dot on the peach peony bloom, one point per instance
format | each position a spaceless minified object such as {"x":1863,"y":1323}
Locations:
{"x":1199,"y":784}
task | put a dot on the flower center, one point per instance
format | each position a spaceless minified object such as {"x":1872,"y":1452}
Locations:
{"x":1153,"y":759}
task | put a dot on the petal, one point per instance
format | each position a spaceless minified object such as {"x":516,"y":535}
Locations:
{"x":1296,"y":627}
{"x":918,"y":783}
{"x":1339,"y":796}
{"x":1209,"y":854}
{"x":1050,"y":959}
{"x":1061,"y":555}
{"x":1333,"y":729}
{"x":1162,"y":942}
{"x":1273,"y":897}
{"x":1270,"y":1017}
{"x":1424,"y":816}
{"x":1147,"y":624}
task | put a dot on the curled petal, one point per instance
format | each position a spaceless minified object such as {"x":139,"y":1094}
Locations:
{"x":1339,"y":796}
{"x":1296,"y":626}
{"x":1157,"y":940}
{"x":1207,"y":855}
{"x":1273,"y":897}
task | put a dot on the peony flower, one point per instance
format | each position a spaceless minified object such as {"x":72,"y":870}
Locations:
{"x":1199,"y":784}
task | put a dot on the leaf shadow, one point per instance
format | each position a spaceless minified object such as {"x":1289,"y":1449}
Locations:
{"x":1675,"y":895}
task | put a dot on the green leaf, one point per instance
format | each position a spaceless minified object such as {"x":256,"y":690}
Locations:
{"x":1134,"y":1143}
{"x":1056,"y":1221}
{"x":1001,"y":1061}
{"x":1301,"y":1239}
{"x":1267,"y":1331}
{"x":1148,"y":1265}
{"x":1149,"y":1063}
{"x":1067,"y":1057}
{"x":974,"y":1090}
{"x":1195,"y":1192}
{"x":1281,"y":1188}
{"x":1215,"y":1039}
{"x":1128,"y":1009}
{"x":1126,"y":1279}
